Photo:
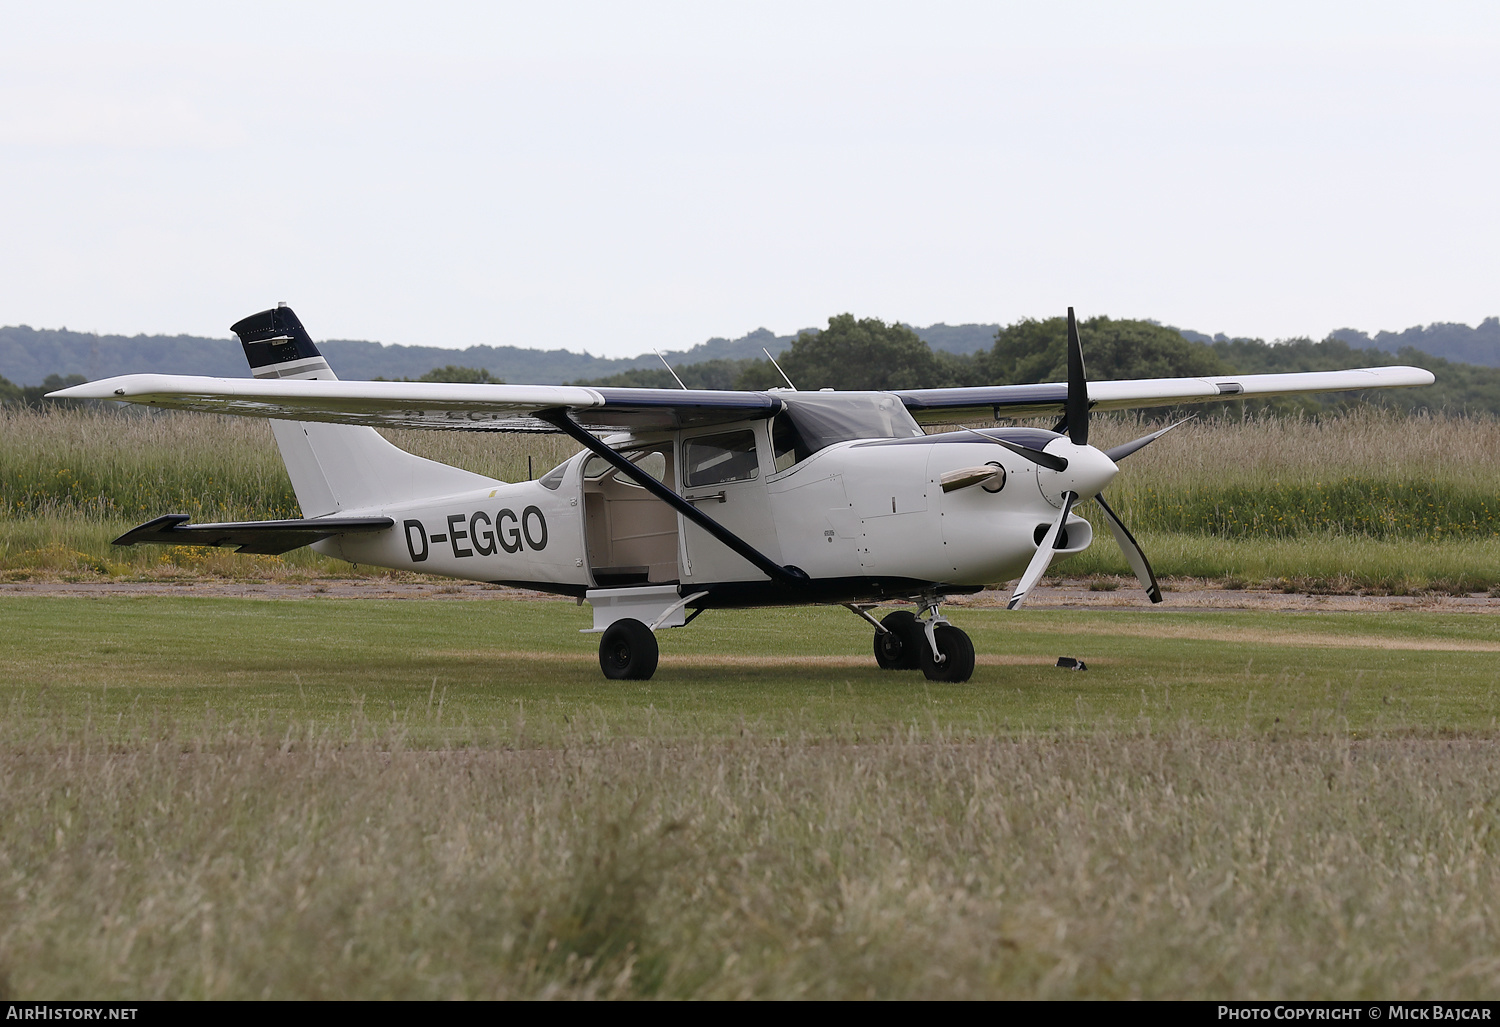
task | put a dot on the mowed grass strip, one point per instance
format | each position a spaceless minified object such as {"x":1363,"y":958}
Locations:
{"x":382,"y":799}
{"x":520,"y":673}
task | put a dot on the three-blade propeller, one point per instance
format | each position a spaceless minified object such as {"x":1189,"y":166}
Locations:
{"x":1076,"y":423}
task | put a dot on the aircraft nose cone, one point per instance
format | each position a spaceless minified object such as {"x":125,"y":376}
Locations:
{"x":1088,"y":472}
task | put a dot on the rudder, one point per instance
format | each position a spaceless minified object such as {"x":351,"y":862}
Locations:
{"x":337,"y":467}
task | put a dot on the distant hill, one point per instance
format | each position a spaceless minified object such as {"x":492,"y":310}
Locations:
{"x":1456,"y":342}
{"x":962,"y":339}
{"x":29,"y":355}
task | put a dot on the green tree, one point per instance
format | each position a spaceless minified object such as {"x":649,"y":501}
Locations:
{"x":462,"y":375}
{"x":853,"y":354}
{"x":721,"y":373}
{"x":1036,"y":351}
{"x":452,"y":373}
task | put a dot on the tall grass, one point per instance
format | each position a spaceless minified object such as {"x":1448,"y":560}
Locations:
{"x":109,"y":465}
{"x":1367,"y":473}
{"x":1233,"y":498}
{"x":305,"y":860}
{"x":73,"y":479}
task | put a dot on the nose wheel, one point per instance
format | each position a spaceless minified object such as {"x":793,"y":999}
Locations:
{"x":949,"y":655}
{"x":904,"y":641}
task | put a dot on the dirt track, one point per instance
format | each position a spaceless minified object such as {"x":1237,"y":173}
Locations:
{"x":1067,"y":595}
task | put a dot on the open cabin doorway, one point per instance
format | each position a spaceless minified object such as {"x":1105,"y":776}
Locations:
{"x":631,"y":535}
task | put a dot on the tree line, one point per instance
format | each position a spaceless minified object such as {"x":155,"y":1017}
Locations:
{"x":867,"y":353}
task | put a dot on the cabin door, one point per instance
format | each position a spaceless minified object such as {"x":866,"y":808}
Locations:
{"x":631,"y":535}
{"x":724,"y":475}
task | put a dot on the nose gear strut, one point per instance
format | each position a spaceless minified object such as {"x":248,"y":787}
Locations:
{"x":905,"y":641}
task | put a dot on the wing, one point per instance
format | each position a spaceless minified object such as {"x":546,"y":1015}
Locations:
{"x":942,"y":406}
{"x":515,"y":407}
{"x":431,"y":404}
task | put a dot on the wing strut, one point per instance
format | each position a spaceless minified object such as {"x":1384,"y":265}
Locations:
{"x":559,"y":419}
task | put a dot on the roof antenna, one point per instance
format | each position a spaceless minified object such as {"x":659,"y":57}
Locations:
{"x":669,"y":368}
{"x":778,"y":369}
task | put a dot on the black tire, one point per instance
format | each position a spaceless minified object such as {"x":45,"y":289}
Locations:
{"x":900,"y":646}
{"x":959,"y":650}
{"x":628,"y":651}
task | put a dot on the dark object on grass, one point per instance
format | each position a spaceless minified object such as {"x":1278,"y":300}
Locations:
{"x":1068,"y":663}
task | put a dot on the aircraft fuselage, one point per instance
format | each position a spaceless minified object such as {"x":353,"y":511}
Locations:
{"x":864,"y":520}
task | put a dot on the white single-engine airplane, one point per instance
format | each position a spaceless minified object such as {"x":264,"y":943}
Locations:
{"x":695,"y":500}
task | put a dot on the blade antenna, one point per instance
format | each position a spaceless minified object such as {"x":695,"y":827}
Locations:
{"x":778,"y":369}
{"x":669,"y":369}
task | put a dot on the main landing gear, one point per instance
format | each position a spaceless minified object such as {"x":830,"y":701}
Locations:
{"x":903,"y":641}
{"x":628,"y":651}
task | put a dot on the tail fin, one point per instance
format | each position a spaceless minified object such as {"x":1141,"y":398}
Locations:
{"x":336,"y":467}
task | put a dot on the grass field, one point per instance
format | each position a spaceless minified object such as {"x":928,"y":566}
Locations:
{"x":339,"y":798}
{"x":1362,"y":501}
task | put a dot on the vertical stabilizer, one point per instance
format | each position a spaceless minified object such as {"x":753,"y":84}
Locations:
{"x":337,"y":467}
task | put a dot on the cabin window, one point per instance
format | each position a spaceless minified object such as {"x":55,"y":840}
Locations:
{"x":714,"y":459}
{"x":553,"y":478}
{"x":652,"y":461}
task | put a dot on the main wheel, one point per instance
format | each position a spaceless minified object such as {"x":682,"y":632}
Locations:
{"x":959,"y":650}
{"x":627,"y":651}
{"x":900,"y":646}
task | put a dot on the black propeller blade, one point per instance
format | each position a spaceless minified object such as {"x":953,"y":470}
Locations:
{"x":1036,"y":456}
{"x":1076,"y":413}
{"x":1123,"y":450}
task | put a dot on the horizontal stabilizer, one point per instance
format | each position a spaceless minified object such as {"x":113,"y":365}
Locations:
{"x":267,"y":537}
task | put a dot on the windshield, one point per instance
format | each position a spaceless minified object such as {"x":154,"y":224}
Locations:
{"x":819,"y":419}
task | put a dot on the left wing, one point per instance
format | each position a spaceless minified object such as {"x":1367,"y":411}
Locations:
{"x":436,"y":405}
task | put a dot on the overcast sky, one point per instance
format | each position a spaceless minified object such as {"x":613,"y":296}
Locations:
{"x":618,"y":176}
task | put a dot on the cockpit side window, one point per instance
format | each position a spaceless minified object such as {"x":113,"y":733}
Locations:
{"x":714,"y":459}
